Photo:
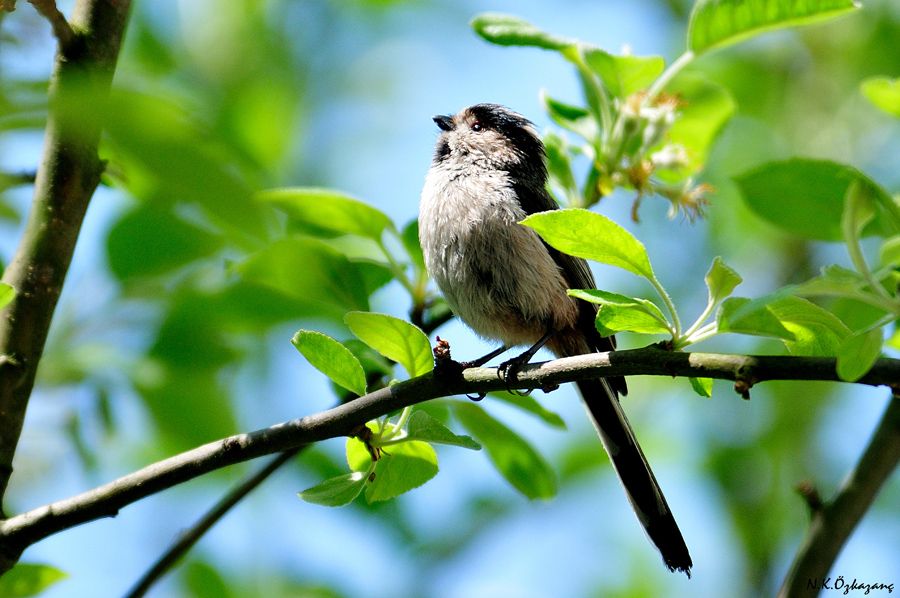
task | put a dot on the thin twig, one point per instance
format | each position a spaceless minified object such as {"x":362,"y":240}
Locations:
{"x":21,"y":531}
{"x":61,"y":28}
{"x":190,"y":537}
{"x":833,"y":523}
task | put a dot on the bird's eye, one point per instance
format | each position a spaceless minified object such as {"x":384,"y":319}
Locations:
{"x":476,"y":126}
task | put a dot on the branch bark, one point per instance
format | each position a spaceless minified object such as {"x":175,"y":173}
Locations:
{"x":833,"y":523}
{"x":19,"y":532}
{"x":68,"y":175}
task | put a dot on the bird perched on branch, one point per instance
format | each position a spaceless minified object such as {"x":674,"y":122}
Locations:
{"x":505,"y":283}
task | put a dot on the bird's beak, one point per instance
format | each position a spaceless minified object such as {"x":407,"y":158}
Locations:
{"x":444,"y":122}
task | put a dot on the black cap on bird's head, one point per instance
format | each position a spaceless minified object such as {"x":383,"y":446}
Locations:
{"x":490,"y":133}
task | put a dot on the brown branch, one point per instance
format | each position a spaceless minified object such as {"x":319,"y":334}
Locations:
{"x":69,"y":173}
{"x":61,"y":28}
{"x":19,"y":532}
{"x":833,"y":522}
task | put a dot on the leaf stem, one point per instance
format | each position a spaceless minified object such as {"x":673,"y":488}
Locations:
{"x":667,"y":75}
{"x":676,"y":321}
{"x":710,"y":306}
{"x":397,"y":270}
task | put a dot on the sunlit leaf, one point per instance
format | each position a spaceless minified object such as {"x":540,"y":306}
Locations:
{"x":559,"y":166}
{"x":721,"y":280}
{"x":29,"y":579}
{"x":394,"y":338}
{"x":884,"y":93}
{"x":328,"y":210}
{"x":806,"y":197}
{"x":702,"y":386}
{"x":512,"y":455}
{"x":7,"y":293}
{"x":888,"y":255}
{"x":423,"y":427}
{"x":332,"y":359}
{"x":619,"y":313}
{"x":624,"y":75}
{"x":817,"y":332}
{"x":508,"y":30}
{"x":410,"y":238}
{"x":858,"y":353}
{"x":743,"y":316}
{"x":336,"y":492}
{"x":705,"y":108}
{"x":400,"y":468}
{"x":716,"y":23}
{"x":591,"y":236}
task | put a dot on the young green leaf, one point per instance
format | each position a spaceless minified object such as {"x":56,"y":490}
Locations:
{"x":743,"y":316}
{"x":619,"y":313}
{"x":426,"y":428}
{"x":857,"y":354}
{"x":888,"y":255}
{"x":337,"y":491}
{"x":529,"y":404}
{"x":559,"y":166}
{"x":512,"y":455}
{"x":574,"y":118}
{"x":702,"y":386}
{"x":884,"y":93}
{"x":394,"y":338}
{"x":326,"y":210}
{"x":7,"y":293}
{"x":401,"y":468}
{"x":806,"y":197}
{"x":721,"y":280}
{"x":29,"y":579}
{"x":508,"y":30}
{"x":591,"y":236}
{"x":410,"y":238}
{"x":717,"y":23}
{"x":817,"y":332}
{"x":332,"y":359}
{"x":624,"y":75}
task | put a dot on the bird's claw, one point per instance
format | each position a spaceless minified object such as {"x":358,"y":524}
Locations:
{"x":508,"y":371}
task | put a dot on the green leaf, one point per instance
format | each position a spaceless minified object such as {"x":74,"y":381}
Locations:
{"x":884,"y":93}
{"x":702,"y":386}
{"x":328,"y":210}
{"x":529,"y":404}
{"x":423,"y":427}
{"x":574,"y":118}
{"x":836,"y":281}
{"x":707,"y":108}
{"x":332,"y":359}
{"x":743,"y":316}
{"x":888,"y":255}
{"x":858,"y":353}
{"x":817,"y":332}
{"x":806,"y":197}
{"x":624,"y":75}
{"x":337,"y":491}
{"x":894,"y":340}
{"x":151,"y":240}
{"x":619,"y":313}
{"x":508,"y":30}
{"x":410,"y":238}
{"x":718,"y":23}
{"x":402,"y":467}
{"x":29,"y":579}
{"x":7,"y":293}
{"x":591,"y":236}
{"x":512,"y":455}
{"x":559,"y":166}
{"x":311,"y":273}
{"x":721,"y":280}
{"x":394,"y":338}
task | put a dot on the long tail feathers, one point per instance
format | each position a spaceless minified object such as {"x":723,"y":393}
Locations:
{"x":640,"y":484}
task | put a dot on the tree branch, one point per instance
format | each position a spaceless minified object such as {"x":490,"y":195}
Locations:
{"x":19,"y":532}
{"x":69,"y":173}
{"x":61,"y":28}
{"x":833,"y":523}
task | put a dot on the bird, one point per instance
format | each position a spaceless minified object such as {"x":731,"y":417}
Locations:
{"x":488,"y":173}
